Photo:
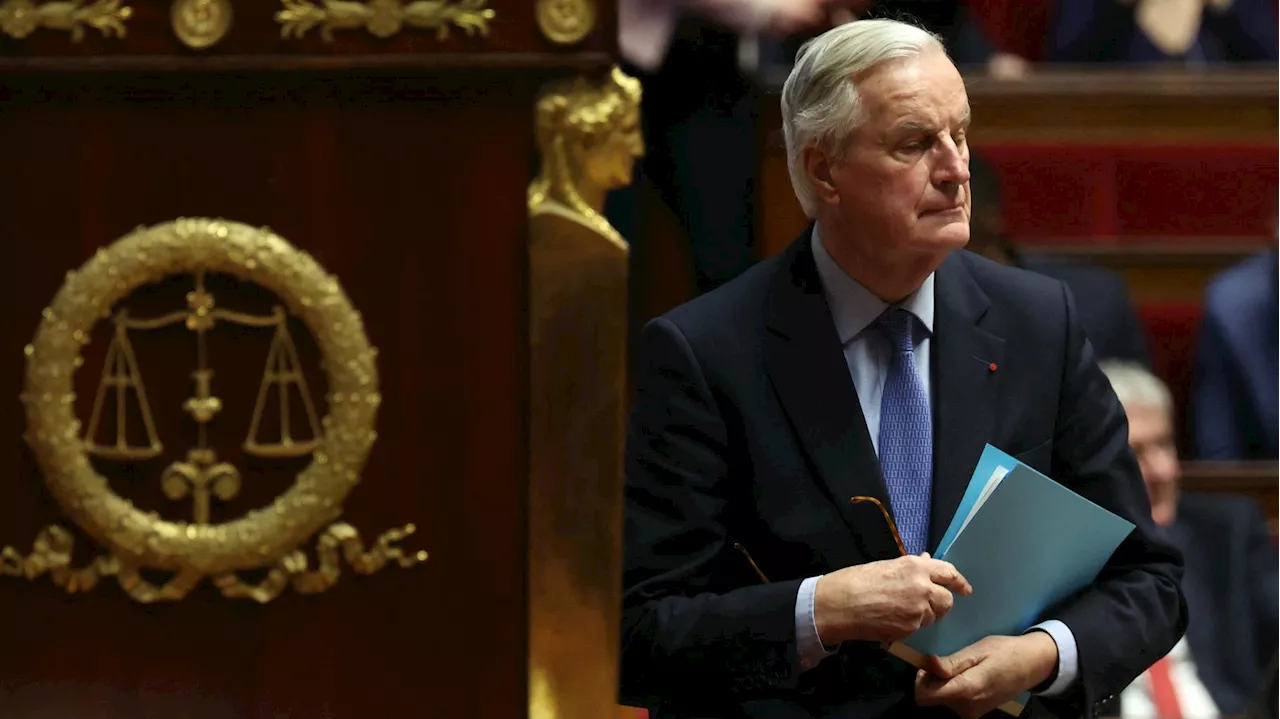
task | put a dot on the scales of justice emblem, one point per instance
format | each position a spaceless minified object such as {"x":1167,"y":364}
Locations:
{"x":268,"y":538}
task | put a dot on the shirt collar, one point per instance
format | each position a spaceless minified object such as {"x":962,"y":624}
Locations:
{"x":854,"y":307}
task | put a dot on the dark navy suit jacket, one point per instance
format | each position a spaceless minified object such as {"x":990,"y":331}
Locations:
{"x":1234,"y":399}
{"x":747,"y":431}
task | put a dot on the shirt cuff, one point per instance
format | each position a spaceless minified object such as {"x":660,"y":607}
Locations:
{"x":1068,"y":658}
{"x":809,"y":647}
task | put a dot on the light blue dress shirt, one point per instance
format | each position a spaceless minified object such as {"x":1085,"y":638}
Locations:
{"x":854,"y":308}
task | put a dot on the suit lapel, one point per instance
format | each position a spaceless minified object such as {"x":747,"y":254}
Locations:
{"x":806,"y":365}
{"x":965,"y":387}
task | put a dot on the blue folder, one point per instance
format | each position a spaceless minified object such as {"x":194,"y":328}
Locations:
{"x":1030,"y":544}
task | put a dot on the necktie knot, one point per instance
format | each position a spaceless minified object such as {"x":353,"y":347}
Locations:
{"x":898,"y":326}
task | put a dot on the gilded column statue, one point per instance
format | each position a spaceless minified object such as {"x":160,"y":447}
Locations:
{"x":589,"y":138}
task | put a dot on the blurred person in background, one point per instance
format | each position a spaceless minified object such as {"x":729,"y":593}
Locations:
{"x":953,"y":21}
{"x":1234,"y":394}
{"x":1193,"y":32}
{"x":961,"y":32}
{"x":697,"y":117}
{"x":1101,"y":297}
{"x":1229,"y":580}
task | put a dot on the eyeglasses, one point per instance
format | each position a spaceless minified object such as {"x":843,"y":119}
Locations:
{"x":884,"y":512}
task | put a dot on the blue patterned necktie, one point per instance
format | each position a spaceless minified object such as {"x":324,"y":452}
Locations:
{"x":906,"y":433}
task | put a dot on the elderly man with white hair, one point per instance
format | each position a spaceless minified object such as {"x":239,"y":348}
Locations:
{"x":1230,"y":578}
{"x":867,"y":364}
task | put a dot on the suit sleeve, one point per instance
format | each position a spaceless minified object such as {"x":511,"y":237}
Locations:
{"x":1217,"y":433}
{"x":697,"y":622}
{"x":1134,"y":612}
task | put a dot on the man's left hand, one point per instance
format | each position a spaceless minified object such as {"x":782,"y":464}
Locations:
{"x":986,"y":674}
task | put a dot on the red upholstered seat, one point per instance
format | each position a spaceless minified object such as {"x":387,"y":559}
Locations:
{"x":1116,"y":192}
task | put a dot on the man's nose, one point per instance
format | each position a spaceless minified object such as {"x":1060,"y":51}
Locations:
{"x":1167,"y":467}
{"x":952,"y":166}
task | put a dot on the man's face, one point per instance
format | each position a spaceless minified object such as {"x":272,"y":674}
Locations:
{"x":1151,"y":437}
{"x":902,"y":187}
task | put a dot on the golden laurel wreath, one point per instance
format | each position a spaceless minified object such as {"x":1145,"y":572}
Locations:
{"x":264,"y":538}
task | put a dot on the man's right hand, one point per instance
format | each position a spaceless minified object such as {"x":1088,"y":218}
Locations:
{"x":885,"y":601}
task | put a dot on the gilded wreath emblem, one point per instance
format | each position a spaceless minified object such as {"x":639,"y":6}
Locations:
{"x":268,"y":538}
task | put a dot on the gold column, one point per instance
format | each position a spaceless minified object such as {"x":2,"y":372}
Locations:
{"x":589,"y":138}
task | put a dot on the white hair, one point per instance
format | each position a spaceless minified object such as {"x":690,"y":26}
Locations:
{"x":820,"y":104}
{"x":1136,"y":386}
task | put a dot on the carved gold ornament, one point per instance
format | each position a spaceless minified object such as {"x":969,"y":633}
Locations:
{"x":200,"y":24}
{"x":589,"y":138}
{"x":20,"y":18}
{"x":268,"y":538}
{"x":566,"y":21}
{"x":383,"y":18}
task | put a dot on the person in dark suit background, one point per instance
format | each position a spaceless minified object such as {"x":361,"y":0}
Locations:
{"x":1101,"y":296}
{"x":954,"y":21}
{"x":961,"y":32}
{"x":869,"y":359}
{"x":1237,"y":379}
{"x":1157,"y":31}
{"x":697,"y":119}
{"x":1230,"y":577}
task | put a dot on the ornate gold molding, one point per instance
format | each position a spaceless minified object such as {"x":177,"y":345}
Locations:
{"x":200,"y":24}
{"x":589,"y":138}
{"x":566,"y":21}
{"x":383,"y":18}
{"x":269,"y":538}
{"x":20,"y":18}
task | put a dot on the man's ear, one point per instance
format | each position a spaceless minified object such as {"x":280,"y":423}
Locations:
{"x":818,"y":167}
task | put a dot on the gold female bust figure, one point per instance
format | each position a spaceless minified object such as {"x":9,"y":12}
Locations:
{"x":589,"y":138}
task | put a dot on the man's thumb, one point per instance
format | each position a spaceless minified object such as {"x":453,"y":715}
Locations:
{"x":950,"y":666}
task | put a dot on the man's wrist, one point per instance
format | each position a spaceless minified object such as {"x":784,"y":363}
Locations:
{"x":809,"y":647}
{"x":1051,"y":659}
{"x":1068,"y":668}
{"x":819,"y":615}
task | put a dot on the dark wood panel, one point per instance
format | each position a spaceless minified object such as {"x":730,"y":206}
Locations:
{"x":1157,"y":271}
{"x":584,"y":61}
{"x":1138,"y":106}
{"x":1258,"y":480}
{"x":411,"y":190}
{"x":255,"y":32}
